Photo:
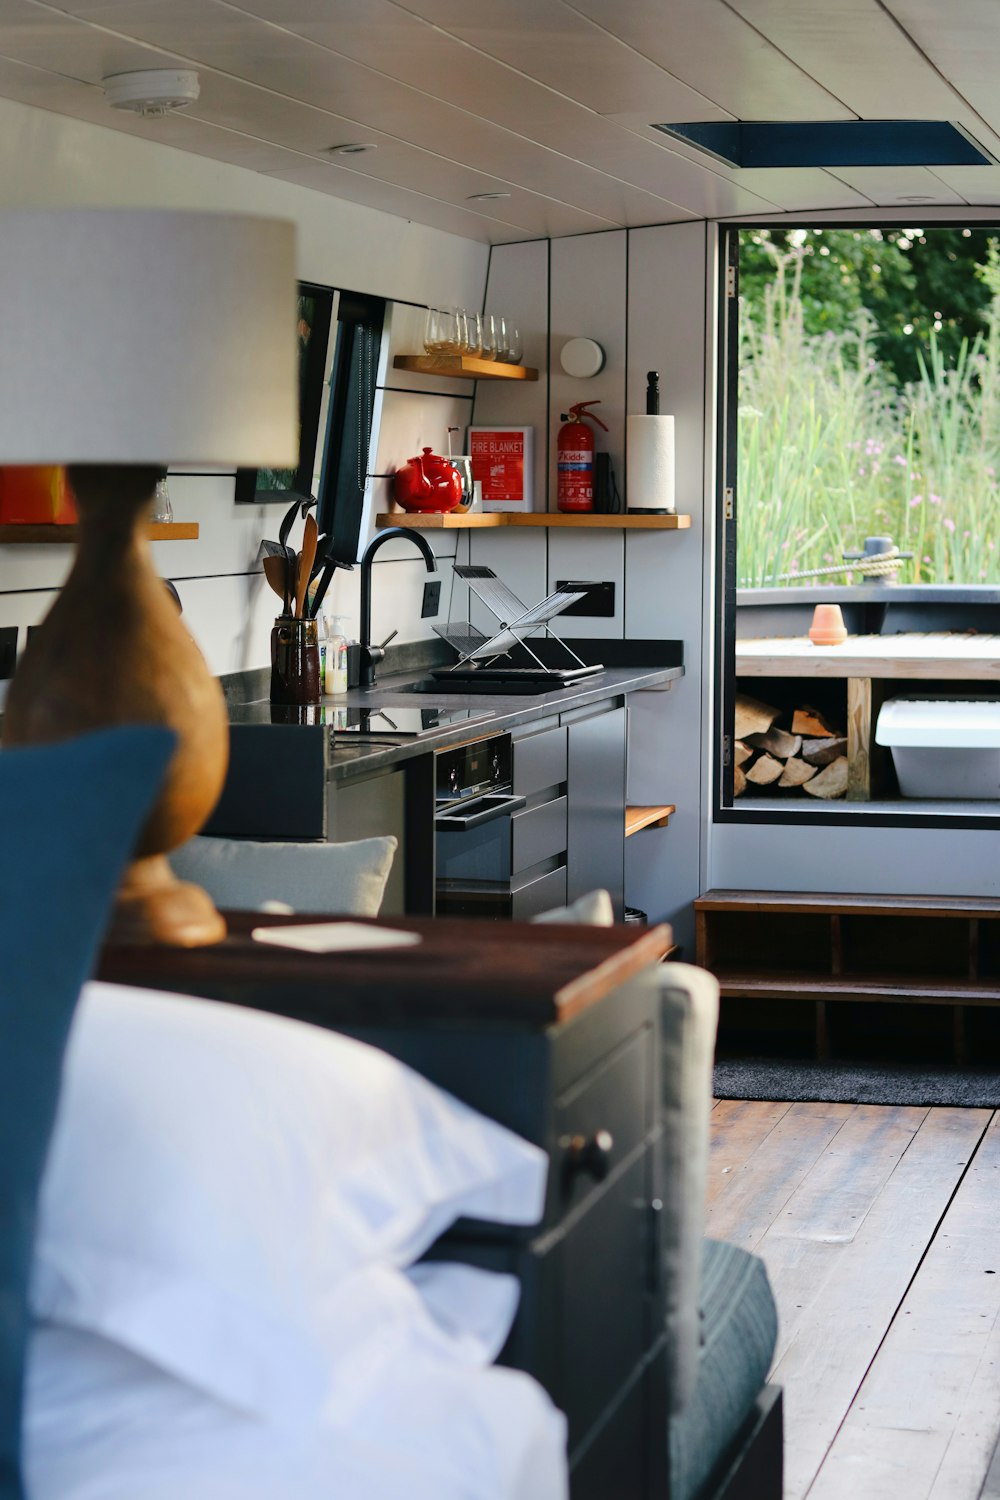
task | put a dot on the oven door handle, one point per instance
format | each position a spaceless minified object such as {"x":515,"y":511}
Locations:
{"x":500,"y":808}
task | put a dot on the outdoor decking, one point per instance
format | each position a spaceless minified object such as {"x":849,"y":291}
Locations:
{"x":880,"y":1229}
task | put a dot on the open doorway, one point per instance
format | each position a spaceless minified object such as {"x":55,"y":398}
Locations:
{"x":862,"y":473}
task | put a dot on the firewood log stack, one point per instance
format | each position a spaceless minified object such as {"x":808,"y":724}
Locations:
{"x":809,"y":756}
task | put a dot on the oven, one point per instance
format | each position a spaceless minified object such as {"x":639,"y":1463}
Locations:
{"x":498,"y":854}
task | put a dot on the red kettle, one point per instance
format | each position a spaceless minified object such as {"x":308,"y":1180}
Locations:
{"x":427,"y":483}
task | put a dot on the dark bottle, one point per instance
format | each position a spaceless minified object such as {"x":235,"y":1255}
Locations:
{"x":653,"y":393}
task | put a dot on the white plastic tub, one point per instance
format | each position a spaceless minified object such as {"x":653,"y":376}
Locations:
{"x":943,"y":748}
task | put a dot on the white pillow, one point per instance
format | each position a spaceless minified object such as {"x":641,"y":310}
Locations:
{"x":592,"y":910}
{"x":216,"y":1172}
{"x":242,"y":874}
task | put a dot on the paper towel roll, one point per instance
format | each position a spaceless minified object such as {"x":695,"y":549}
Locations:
{"x":649,"y":451}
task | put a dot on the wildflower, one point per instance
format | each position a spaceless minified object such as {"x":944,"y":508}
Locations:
{"x":948,"y":524}
{"x":966,"y":533}
{"x":934,"y":499}
{"x":898,"y":458}
{"x":926,"y":560}
{"x":917,"y":500}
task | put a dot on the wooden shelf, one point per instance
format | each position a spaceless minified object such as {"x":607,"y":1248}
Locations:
{"x":814,"y":948}
{"x":637,"y":818}
{"x":462,"y":367}
{"x":161,"y":531}
{"x":448,"y":521}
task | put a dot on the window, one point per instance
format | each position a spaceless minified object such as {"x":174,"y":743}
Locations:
{"x":349,"y":421}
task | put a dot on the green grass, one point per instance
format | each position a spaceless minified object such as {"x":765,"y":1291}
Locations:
{"x":830,"y":451}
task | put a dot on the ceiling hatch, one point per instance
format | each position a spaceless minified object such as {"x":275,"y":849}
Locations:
{"x":834,"y":143}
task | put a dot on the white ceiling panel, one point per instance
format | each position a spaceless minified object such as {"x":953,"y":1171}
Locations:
{"x":549,"y":100}
{"x":719,"y":54}
{"x":556,"y":45}
{"x":895,"y":185}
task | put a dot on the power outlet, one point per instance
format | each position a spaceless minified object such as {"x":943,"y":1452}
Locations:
{"x":597,"y":604}
{"x":432,"y":599}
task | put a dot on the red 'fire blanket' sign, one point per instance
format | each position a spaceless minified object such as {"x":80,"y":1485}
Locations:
{"x":501,"y":461}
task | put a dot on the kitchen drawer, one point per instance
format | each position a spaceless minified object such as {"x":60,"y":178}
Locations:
{"x":539,"y":761}
{"x":502,"y":846}
{"x":534,"y":897}
{"x":536,"y":834}
{"x":614,"y":1100}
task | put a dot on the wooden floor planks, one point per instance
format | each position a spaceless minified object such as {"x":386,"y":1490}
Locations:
{"x":877,"y":1234}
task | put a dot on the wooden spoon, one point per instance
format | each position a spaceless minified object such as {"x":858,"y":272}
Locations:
{"x":276,"y":572}
{"x":306,"y":559}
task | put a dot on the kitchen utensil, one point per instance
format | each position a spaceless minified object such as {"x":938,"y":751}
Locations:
{"x":276,"y":573}
{"x":306,"y":559}
{"x":329,"y":568}
{"x":427,"y":483}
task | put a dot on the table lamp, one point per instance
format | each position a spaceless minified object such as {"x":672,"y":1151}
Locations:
{"x":130,"y":340}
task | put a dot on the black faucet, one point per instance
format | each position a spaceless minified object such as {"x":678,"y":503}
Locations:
{"x":372,"y":655}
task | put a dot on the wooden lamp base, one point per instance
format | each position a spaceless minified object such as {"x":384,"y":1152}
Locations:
{"x":114,"y":650}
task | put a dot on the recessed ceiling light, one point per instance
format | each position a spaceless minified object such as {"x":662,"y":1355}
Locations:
{"x":352,"y":148}
{"x":151,"y":91}
{"x":916,"y":198}
{"x":485,"y":197}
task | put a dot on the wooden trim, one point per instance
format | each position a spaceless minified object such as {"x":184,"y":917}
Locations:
{"x":637,"y":818}
{"x":160,"y":531}
{"x":450,"y":521}
{"x":462,"y":367}
{"x":815,"y":901}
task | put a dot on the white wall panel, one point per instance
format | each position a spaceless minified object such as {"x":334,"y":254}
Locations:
{"x":898,"y":861}
{"x":589,"y":274}
{"x":597,"y":557}
{"x":518,"y":287}
{"x":665,"y":571}
{"x":518,"y":557}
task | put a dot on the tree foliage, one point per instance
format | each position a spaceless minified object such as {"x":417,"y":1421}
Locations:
{"x":912,"y":281}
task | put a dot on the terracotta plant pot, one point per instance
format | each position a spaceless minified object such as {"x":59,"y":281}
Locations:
{"x":828,"y":628}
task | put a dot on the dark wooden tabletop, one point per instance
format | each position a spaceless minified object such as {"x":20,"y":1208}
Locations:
{"x":462,"y":970}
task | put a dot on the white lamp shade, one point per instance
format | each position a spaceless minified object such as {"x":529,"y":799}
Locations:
{"x":147,"y":336}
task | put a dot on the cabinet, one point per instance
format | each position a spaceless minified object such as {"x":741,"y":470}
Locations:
{"x":595,"y":848}
{"x":556,"y":1035}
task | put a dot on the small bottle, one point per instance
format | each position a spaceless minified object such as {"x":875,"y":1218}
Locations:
{"x":162,"y":511}
{"x":335,"y":676}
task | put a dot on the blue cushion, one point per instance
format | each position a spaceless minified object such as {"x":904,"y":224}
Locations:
{"x":69,"y":818}
{"x":739,"y":1332}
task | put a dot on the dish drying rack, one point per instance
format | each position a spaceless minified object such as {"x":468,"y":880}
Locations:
{"x":479,"y":652}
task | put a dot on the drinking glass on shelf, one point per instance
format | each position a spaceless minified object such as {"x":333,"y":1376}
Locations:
{"x":474,"y":334}
{"x":433,"y":331}
{"x":490,"y":336}
{"x":450,"y":340}
{"x":515,"y":348}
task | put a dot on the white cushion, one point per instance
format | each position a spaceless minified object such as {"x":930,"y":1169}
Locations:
{"x":243,"y":874}
{"x":689,"y":1016}
{"x":216,"y":1173}
{"x":592,"y":910}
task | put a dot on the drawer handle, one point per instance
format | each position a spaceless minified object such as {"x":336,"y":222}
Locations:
{"x":590,"y":1154}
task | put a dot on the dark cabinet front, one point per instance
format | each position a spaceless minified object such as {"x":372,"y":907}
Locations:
{"x":595,"y":841}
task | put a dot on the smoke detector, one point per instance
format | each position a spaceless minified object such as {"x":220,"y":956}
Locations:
{"x":153,"y":91}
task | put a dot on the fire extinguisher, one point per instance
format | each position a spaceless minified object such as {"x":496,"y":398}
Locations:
{"x":575,"y":452}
